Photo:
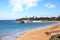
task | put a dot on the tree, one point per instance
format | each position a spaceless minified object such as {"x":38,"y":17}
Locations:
{"x":58,"y":18}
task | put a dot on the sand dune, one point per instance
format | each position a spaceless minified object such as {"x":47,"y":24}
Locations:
{"x":39,"y":33}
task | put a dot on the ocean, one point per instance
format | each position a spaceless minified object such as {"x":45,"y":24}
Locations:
{"x":10,"y":27}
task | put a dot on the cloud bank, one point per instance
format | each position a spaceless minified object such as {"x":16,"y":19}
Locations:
{"x":50,"y":5}
{"x":20,"y":5}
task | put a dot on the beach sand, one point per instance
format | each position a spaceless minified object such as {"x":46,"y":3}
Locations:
{"x":39,"y":33}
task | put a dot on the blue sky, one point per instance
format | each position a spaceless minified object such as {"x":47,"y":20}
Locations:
{"x":13,"y":9}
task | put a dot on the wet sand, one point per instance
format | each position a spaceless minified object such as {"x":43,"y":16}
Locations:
{"x":39,"y":33}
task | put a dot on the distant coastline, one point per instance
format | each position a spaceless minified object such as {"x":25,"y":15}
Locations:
{"x":38,"y":19}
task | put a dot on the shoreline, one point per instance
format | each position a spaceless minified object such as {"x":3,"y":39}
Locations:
{"x":50,"y":21}
{"x":34,"y":33}
{"x":48,"y":26}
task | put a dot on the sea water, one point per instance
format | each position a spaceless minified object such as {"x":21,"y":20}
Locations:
{"x":13,"y":28}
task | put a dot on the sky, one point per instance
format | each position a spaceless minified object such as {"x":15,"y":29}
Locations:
{"x":13,"y":9}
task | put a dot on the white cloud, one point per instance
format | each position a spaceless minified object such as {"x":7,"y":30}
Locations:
{"x":20,"y":5}
{"x":50,"y":5}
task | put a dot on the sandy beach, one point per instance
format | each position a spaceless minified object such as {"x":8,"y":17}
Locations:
{"x":40,"y":33}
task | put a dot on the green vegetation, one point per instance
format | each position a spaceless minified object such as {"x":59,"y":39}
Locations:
{"x":41,"y":18}
{"x":55,"y":37}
